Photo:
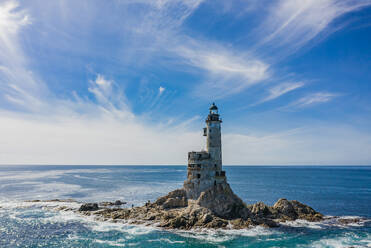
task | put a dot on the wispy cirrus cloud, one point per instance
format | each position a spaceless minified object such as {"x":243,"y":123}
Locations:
{"x":292,"y":24}
{"x":315,"y":98}
{"x":227,"y":72}
{"x":280,"y":90}
{"x":19,"y":86}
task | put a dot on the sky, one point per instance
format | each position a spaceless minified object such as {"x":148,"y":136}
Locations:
{"x":129,"y":82}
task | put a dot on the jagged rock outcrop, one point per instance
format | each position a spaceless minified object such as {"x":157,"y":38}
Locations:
{"x":89,"y":207}
{"x":173,"y":199}
{"x":292,"y":210}
{"x":221,"y":200}
{"x":115,"y":203}
{"x":217,"y":207}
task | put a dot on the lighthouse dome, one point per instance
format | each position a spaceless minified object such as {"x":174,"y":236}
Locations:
{"x":213,"y":109}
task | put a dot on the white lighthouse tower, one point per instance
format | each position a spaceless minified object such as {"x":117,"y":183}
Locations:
{"x":205,"y":167}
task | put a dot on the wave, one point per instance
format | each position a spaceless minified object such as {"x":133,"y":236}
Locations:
{"x":7,"y":204}
{"x":111,"y":243}
{"x":167,"y":241}
{"x":223,"y":235}
{"x":346,"y":241}
{"x":51,"y":174}
{"x":330,"y":221}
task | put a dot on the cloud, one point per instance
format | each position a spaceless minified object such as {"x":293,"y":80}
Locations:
{"x":161,"y":90}
{"x":294,"y":23}
{"x":315,"y":98}
{"x":110,"y":97}
{"x":227,"y":71}
{"x":280,"y":90}
{"x":100,"y":127}
{"x":18,"y":85}
{"x":316,"y":145}
{"x":66,"y":139}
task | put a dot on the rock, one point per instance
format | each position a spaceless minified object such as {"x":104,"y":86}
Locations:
{"x":206,"y":219}
{"x":269,"y":223}
{"x":178,"y":222}
{"x":106,"y":204}
{"x":305,"y":212}
{"x":221,"y":200}
{"x":292,"y":210}
{"x":349,"y":221}
{"x":217,"y":223}
{"x":217,"y":207}
{"x":118,"y":203}
{"x":176,"y":194}
{"x":285,"y":208}
{"x":89,"y":207}
{"x":260,"y":209}
{"x":53,"y":200}
{"x":175,"y":203}
{"x":240,"y":223}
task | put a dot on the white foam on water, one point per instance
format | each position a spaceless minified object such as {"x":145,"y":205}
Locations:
{"x":303,"y":223}
{"x":111,"y":243}
{"x":223,"y":235}
{"x":130,"y":229}
{"x":208,"y":237}
{"x":133,"y":244}
{"x":362,"y":221}
{"x":252,"y":232}
{"x":56,"y":216}
{"x":167,"y":241}
{"x":42,"y":190}
{"x":119,"y":242}
{"x":328,"y":222}
{"x":14,"y":204}
{"x":64,"y":217}
{"x":349,"y":240}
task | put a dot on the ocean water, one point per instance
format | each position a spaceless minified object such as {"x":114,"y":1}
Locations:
{"x":334,"y":191}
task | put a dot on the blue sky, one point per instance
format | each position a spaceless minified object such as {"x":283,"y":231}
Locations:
{"x":130,"y":82}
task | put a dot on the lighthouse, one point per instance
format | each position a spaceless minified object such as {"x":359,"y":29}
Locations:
{"x":205,"y":167}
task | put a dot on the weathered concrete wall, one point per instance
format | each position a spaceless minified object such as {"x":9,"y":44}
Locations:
{"x":205,"y":168}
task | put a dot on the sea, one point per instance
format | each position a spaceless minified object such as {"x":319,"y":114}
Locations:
{"x":343,"y":191}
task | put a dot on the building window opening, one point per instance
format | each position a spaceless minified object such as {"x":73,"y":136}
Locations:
{"x":214,"y":183}
{"x":198,"y":175}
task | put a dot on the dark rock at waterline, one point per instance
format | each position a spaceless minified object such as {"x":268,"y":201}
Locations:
{"x":89,"y":207}
{"x":53,"y":200}
{"x":349,"y":221}
{"x":116,"y":203}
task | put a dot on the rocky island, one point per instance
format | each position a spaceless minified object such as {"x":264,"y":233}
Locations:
{"x":206,"y":199}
